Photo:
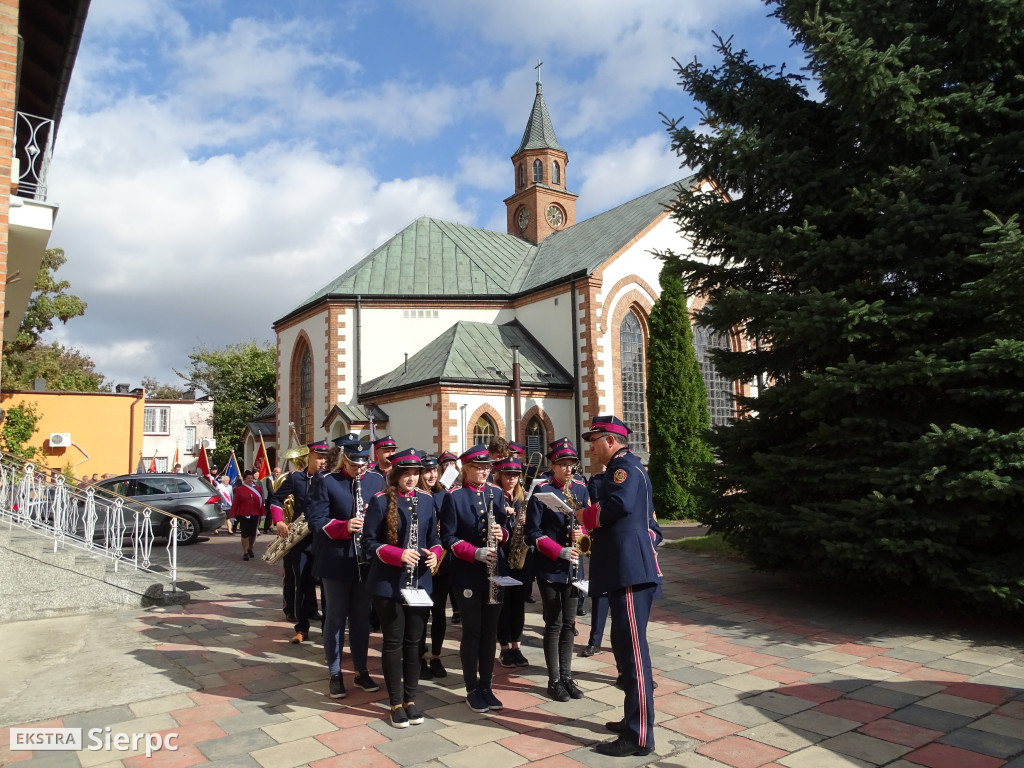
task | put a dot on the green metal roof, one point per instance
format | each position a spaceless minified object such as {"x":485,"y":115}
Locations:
{"x":475,"y":353}
{"x":540,"y":132}
{"x":432,"y":258}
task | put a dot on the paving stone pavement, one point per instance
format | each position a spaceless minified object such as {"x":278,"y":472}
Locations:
{"x":752,"y":670}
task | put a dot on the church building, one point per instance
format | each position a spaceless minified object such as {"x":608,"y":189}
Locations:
{"x":448,"y":335}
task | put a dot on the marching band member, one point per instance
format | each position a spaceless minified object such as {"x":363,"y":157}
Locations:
{"x":508,"y":474}
{"x":396,"y":565}
{"x":247,"y":509}
{"x":626,"y":568}
{"x":444,"y":461}
{"x":441,"y":580}
{"x":336,"y":517}
{"x":383,"y":448}
{"x":465,"y":536}
{"x":299,"y":584}
{"x":552,"y":534}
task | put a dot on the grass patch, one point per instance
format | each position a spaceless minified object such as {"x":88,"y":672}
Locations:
{"x":712,"y":544}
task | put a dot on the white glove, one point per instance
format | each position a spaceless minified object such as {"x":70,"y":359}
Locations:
{"x":481,"y":554}
{"x":566,"y":553}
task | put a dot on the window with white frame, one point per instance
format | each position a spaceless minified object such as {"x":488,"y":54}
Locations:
{"x":190,"y":438}
{"x":156,"y":420}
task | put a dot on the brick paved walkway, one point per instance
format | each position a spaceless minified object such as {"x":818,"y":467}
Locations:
{"x":753,"y":670}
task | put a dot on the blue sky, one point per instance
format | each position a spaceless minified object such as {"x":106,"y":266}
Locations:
{"x":220,"y":160}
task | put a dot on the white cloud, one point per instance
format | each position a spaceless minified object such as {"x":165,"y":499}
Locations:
{"x":627,"y":170}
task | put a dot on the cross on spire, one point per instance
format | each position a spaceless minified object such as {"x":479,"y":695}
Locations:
{"x":539,"y":63}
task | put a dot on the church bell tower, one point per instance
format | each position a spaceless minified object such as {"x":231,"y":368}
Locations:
{"x":540,"y":205}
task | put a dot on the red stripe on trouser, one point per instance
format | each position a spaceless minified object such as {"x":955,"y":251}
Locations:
{"x":634,"y":637}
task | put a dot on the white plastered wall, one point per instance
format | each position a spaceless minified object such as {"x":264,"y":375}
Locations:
{"x":550,"y":322}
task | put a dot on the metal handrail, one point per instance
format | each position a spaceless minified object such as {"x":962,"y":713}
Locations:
{"x":94,"y":520}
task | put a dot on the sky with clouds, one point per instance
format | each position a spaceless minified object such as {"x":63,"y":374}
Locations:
{"x":218,"y":161}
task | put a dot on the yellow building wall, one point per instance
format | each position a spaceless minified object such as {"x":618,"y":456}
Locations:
{"x":105,"y":428}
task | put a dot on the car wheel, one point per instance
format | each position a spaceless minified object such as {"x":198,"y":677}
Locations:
{"x":188,"y":529}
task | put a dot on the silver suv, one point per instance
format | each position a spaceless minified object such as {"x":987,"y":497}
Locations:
{"x":188,"y":496}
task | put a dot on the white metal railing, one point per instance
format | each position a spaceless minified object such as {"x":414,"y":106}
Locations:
{"x":33,"y":148}
{"x":104,"y":524}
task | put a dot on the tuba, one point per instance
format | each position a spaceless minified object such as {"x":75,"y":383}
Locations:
{"x":298,"y":529}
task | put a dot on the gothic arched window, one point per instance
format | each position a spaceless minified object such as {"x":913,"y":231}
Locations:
{"x":720,"y":402}
{"x":305,"y":424}
{"x":538,"y":172}
{"x":484,"y":430}
{"x":536,"y":439}
{"x":634,"y":388}
{"x":520,"y":176}
{"x":556,"y":173}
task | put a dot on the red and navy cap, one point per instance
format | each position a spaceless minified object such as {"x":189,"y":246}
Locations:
{"x":603,"y":425}
{"x":385,"y":442}
{"x":410,"y":457}
{"x":509,"y":465}
{"x":478,"y":454}
{"x":446,"y":457}
{"x":318,"y":447}
{"x":517,"y":448}
{"x":562,"y":449}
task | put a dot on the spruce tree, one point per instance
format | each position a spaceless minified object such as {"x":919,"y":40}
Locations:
{"x":677,"y":404}
{"x":868,"y":238}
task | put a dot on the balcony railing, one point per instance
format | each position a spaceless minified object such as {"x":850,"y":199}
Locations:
{"x":33,"y":148}
{"x":106,"y":525}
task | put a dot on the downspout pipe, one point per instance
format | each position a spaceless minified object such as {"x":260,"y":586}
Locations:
{"x":359,"y":345}
{"x":517,"y":395}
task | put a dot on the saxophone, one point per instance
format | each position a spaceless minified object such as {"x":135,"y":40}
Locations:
{"x":517,"y":547}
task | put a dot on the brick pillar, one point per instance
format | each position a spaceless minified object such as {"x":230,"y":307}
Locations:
{"x":8,"y":73}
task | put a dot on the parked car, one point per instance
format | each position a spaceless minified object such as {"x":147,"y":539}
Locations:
{"x":190,"y":497}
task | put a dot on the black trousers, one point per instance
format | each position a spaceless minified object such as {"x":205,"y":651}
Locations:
{"x":438,"y":615}
{"x":479,"y":633}
{"x":298,"y":568}
{"x":513,"y":612}
{"x":559,"y":603}
{"x":402,"y":627}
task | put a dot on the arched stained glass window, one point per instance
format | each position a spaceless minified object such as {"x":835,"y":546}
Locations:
{"x":720,"y":400}
{"x":484,"y":430}
{"x":634,"y":387}
{"x":556,"y":173}
{"x":306,"y":397}
{"x":538,"y":172}
{"x":536,"y":438}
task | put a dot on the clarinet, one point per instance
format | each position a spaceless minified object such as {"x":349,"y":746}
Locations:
{"x":357,"y":538}
{"x":492,"y":568}
{"x":412,"y":579}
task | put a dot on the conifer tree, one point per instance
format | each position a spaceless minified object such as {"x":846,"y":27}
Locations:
{"x":677,"y":404}
{"x":869,"y":240}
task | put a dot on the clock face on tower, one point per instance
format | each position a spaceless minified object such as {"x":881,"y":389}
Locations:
{"x":523,"y":217}
{"x":555,"y":216}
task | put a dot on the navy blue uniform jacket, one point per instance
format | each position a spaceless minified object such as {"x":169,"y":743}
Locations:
{"x":622,"y":551}
{"x":331,"y":500}
{"x":549,"y":531}
{"x":464,"y":529}
{"x":386,"y":578}
{"x":297,"y":484}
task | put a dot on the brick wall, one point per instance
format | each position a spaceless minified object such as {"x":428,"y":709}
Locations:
{"x":8,"y":77}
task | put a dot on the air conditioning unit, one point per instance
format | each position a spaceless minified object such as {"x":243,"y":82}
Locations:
{"x":209,"y":443}
{"x":60,"y":439}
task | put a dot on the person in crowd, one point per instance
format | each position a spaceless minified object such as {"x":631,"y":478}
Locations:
{"x":383,"y":448}
{"x":226,"y":492}
{"x":400,"y":535}
{"x":553,"y":534}
{"x":623,"y":545}
{"x":476,"y":558}
{"x":444,"y":461}
{"x":246,"y":509}
{"x":508,"y":474}
{"x":338,"y":502}
{"x":299,"y":585}
{"x":440,"y":582}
